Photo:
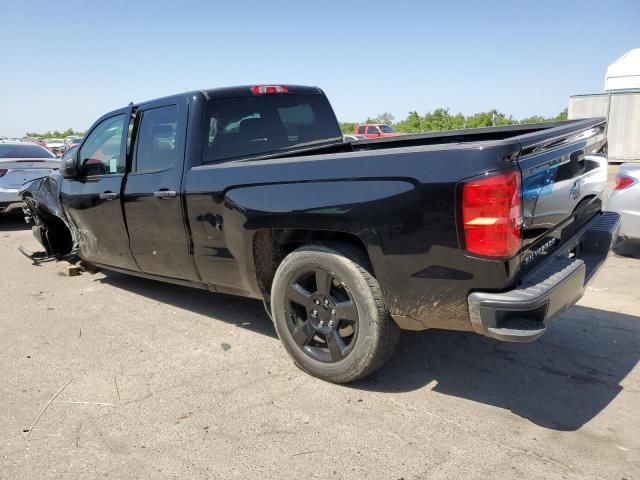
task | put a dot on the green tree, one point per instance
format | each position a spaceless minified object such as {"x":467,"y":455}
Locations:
{"x":347,"y":127}
{"x":489,"y":119}
{"x":534,"y":119}
{"x":563,"y":115}
{"x":411,"y":124}
{"x":385,"y":118}
{"x":441,"y":119}
{"x":55,"y":134}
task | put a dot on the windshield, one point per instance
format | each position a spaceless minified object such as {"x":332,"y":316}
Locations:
{"x":386,"y":129}
{"x":248,"y":126}
{"x":27,"y":150}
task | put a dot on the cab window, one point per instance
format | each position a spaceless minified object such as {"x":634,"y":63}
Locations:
{"x":156,"y":145}
{"x":249,"y":126}
{"x":372,"y":130}
{"x":101,"y":153}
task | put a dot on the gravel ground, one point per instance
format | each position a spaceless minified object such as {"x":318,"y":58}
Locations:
{"x":169,"y":382}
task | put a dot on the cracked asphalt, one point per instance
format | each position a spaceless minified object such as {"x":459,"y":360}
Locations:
{"x":169,"y":382}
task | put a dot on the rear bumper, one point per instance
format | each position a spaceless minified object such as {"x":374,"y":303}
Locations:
{"x":6,"y":207}
{"x":9,"y":195}
{"x":9,"y":200}
{"x":522,"y":314}
{"x":630,"y":226}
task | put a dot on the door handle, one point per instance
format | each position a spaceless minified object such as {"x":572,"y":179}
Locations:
{"x":161,"y":194}
{"x":108,"y":196}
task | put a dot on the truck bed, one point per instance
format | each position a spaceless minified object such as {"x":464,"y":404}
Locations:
{"x":526,"y":135}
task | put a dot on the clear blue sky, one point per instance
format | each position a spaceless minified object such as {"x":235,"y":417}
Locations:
{"x":64,"y":63}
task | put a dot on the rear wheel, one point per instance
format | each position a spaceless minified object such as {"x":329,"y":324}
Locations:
{"x":329,"y":314}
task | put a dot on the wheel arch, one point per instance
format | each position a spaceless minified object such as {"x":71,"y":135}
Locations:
{"x":271,"y":246}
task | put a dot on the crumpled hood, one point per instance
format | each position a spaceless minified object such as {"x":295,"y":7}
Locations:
{"x":46,"y":193}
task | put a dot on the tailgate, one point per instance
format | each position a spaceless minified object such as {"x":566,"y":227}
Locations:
{"x":16,"y":172}
{"x":563,"y":178}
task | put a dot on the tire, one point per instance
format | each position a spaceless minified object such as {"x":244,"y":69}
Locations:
{"x":336,"y":329}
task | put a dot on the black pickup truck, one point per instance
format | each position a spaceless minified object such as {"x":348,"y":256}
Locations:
{"x":251,"y":191}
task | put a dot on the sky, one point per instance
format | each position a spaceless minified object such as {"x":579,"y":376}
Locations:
{"x":65,"y":63}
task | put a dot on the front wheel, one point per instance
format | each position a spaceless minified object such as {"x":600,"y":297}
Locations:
{"x":329,"y":314}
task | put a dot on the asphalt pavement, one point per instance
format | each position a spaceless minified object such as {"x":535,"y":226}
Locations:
{"x":160,"y":381}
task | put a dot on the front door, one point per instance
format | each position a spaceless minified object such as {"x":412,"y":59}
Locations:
{"x":153,"y":198}
{"x":92,"y":201}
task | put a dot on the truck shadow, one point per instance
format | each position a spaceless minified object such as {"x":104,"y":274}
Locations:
{"x":242,"y":312}
{"x":12,"y":222}
{"x":628,"y":248}
{"x":559,"y":382}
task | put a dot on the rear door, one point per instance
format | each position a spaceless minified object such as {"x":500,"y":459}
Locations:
{"x":92,"y":201}
{"x":152,"y":196}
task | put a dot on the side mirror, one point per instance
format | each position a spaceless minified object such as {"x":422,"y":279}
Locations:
{"x":70,"y":168}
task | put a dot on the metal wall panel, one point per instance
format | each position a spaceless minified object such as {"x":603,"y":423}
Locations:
{"x":624,"y":127}
{"x":587,"y":106}
{"x":623,"y":112}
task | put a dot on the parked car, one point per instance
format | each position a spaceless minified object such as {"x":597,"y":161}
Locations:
{"x":70,"y":142}
{"x":21,"y":163}
{"x":252,"y":191}
{"x":625,"y":200}
{"x":55,"y":145}
{"x":72,"y":139}
{"x":573,"y":182}
{"x":37,"y":141}
{"x":375,"y":130}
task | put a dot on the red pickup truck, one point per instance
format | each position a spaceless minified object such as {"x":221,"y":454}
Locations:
{"x":375,"y":130}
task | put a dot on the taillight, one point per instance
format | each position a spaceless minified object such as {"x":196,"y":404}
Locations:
{"x":622,"y":182}
{"x":268,"y":89}
{"x":3,"y":171}
{"x":492,"y":215}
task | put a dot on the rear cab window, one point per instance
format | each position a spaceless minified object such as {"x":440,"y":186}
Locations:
{"x":257,"y":125}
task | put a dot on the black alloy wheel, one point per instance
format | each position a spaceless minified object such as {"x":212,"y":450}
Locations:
{"x":330,"y":314}
{"x":321,"y":315}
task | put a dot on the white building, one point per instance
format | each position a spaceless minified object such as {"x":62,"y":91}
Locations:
{"x":624,"y":73}
{"x":619,"y":104}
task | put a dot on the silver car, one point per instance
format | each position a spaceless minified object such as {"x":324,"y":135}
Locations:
{"x":20,"y":163}
{"x":353,"y":138}
{"x":625,"y":200}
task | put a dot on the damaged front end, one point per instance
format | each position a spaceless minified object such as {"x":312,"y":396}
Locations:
{"x":43,"y":211}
